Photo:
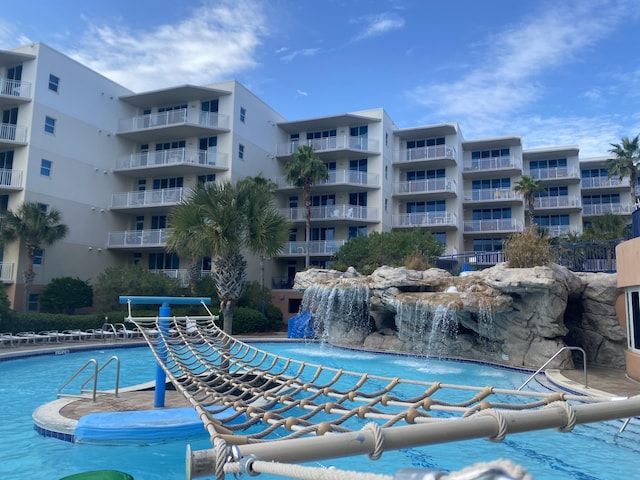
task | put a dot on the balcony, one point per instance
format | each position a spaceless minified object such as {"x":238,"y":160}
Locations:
{"x":341,"y":177}
{"x":10,"y":179}
{"x":333,"y":212}
{"x":603,"y":208}
{"x":344,"y":143}
{"x":557,"y":230}
{"x":492,"y":164}
{"x":176,"y":160}
{"x":147,"y":198}
{"x":180,"y":123}
{"x":507,"y":225}
{"x":605,"y":182}
{"x":492,"y":195}
{"x":134,"y":239}
{"x":562,"y":201}
{"x":14,"y":92}
{"x":425,"y":219}
{"x":13,"y":134}
{"x":6,"y":272}
{"x":431,"y":185}
{"x":433,"y":155}
{"x":557,"y":173}
{"x":316,"y":248}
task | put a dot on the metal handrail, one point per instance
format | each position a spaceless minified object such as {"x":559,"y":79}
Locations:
{"x":584,"y":365}
{"x":93,"y":377}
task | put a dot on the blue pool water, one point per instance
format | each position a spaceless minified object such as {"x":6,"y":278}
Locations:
{"x":593,"y":451}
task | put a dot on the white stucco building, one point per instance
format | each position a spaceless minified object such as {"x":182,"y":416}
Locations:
{"x":115,"y":161}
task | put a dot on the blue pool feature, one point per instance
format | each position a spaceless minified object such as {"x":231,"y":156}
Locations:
{"x":591,"y":452}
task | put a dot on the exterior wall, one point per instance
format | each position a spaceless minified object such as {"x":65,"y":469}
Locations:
{"x":628,"y":275}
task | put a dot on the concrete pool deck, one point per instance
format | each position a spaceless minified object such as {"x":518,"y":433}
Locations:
{"x":62,"y":415}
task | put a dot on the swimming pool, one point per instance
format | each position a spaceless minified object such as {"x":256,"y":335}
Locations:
{"x":590,"y":452}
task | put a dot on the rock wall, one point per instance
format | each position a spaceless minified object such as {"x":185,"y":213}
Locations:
{"x":507,"y":315}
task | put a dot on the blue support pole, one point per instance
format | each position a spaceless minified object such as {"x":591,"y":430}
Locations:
{"x":161,"y":378}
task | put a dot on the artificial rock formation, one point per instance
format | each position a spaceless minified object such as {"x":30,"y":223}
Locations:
{"x":507,"y":315}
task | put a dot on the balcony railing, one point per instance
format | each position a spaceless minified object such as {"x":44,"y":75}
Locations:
{"x":485,"y":194}
{"x":557,"y":230}
{"x":342,"y":177}
{"x":13,"y":133}
{"x":6,"y":272}
{"x":182,"y":116}
{"x":598,"y":182}
{"x":147,"y":198}
{"x":424,"y":219}
{"x":562,"y":201}
{"x":324,"y":247}
{"x":175,"y":156}
{"x":15,"y":88}
{"x":431,"y":185}
{"x":554,"y":173}
{"x":10,"y":178}
{"x":434,"y":152}
{"x":333,"y":212}
{"x":138,"y":238}
{"x":603,"y":208}
{"x":499,"y":225}
{"x":493,"y":163}
{"x":342,"y":142}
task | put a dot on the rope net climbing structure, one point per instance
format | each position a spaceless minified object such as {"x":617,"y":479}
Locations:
{"x":250,"y":400}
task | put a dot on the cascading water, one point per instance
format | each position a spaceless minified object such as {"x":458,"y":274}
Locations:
{"x":337,"y":308}
{"x":444,"y":328}
{"x":486,"y":326}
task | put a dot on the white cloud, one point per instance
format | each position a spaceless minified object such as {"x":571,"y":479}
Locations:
{"x":302,"y":93}
{"x":215,"y":43}
{"x":305,"y":52}
{"x":9,"y":36}
{"x":378,"y":24}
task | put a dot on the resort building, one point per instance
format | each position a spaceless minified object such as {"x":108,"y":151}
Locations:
{"x":114,"y":162}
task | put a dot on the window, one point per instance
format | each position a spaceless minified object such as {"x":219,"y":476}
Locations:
{"x":243,"y":114}
{"x":427,"y":142}
{"x":175,"y":182}
{"x":45,"y":167}
{"x":6,"y":160}
{"x":54,"y":83}
{"x":209,"y":178}
{"x":488,"y":244}
{"x":50,"y":125}
{"x":163,"y":261}
{"x":240,"y":151}
{"x":43,"y":207}
{"x":357,"y":231}
{"x":33,"y":302}
{"x":632,"y":298}
{"x":38,"y":258}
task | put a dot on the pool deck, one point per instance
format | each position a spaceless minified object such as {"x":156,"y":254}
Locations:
{"x":62,"y":414}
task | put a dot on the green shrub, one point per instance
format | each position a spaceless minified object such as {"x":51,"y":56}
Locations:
{"x":65,"y":295}
{"x":247,"y":320}
{"x":527,"y":249}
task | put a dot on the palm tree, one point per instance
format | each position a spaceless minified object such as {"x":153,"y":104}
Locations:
{"x":305,"y":169}
{"x":221,"y":219}
{"x":528,"y":186}
{"x":625,"y":163}
{"x":35,"y":227}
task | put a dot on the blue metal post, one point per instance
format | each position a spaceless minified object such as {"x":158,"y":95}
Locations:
{"x":161,"y":378}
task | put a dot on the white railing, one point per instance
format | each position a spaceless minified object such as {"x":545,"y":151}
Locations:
{"x":332,"y":212}
{"x":13,"y":133}
{"x":324,"y":247}
{"x":341,"y":177}
{"x":426,"y":153}
{"x":182,"y":275}
{"x":557,"y":230}
{"x":182,"y":116}
{"x":175,"y":156}
{"x":147,"y":198}
{"x":499,"y":225}
{"x":15,"y":88}
{"x":562,"y":201}
{"x":138,"y":238}
{"x":424,"y":219}
{"x":431,"y":185}
{"x":484,"y":194}
{"x":596,"y":182}
{"x":6,"y":272}
{"x":10,"y":178}
{"x":603,"y":208}
{"x":342,"y":142}
{"x":554,"y":172}
{"x":493,"y":163}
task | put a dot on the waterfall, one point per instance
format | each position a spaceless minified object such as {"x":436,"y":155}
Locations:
{"x":486,"y":326}
{"x":444,"y":329}
{"x":337,"y":308}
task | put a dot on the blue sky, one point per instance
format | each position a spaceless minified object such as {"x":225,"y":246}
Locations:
{"x":555,"y":72}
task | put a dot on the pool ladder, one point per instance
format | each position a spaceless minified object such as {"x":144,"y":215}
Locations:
{"x":584,"y":365}
{"x":93,"y":377}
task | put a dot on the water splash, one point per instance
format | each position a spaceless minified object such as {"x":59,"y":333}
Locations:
{"x":486,"y":326}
